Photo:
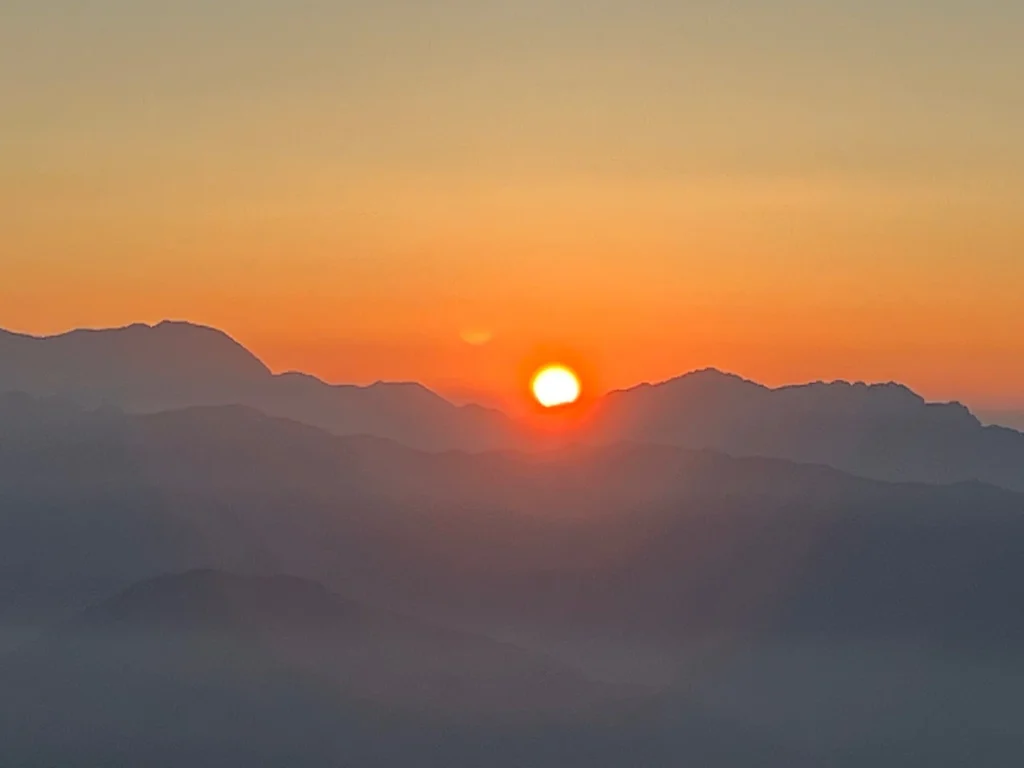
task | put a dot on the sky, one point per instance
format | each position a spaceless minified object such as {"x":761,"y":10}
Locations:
{"x":456,"y":191}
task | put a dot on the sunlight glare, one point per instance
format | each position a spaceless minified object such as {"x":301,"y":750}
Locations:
{"x":555,"y":385}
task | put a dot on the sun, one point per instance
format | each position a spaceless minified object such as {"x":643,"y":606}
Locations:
{"x":555,"y":385}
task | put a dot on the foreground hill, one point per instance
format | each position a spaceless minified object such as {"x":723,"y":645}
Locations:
{"x":213,"y":669}
{"x":192,"y":627}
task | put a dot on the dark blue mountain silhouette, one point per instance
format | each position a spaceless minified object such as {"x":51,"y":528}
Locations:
{"x":145,"y":368}
{"x":882,"y":431}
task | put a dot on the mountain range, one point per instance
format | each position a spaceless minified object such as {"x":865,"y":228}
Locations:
{"x":638,"y":602}
{"x":171,"y":365}
{"x":881,"y":431}
{"x":634,"y":535}
{"x":205,"y":563}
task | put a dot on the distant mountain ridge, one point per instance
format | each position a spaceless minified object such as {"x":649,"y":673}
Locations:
{"x":881,"y":431}
{"x":143,"y":368}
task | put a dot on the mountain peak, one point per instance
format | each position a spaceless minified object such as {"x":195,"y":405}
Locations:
{"x":885,"y":430}
{"x":704,"y":378}
{"x":136,"y":366}
{"x":840,"y":393}
{"x":717,"y":376}
{"x":214,"y":338}
{"x":407,"y":389}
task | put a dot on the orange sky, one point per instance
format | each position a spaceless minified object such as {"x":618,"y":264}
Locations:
{"x":354,"y":191}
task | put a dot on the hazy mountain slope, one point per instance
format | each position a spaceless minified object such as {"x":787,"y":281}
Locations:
{"x":790,"y":614}
{"x":145,"y":368}
{"x":874,"y":704}
{"x":643,"y":540}
{"x":216,"y":669}
{"x":219,"y":670}
{"x":882,"y":431}
{"x":366,"y":653}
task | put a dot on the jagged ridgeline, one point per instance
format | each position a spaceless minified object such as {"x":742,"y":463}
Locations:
{"x":881,"y":431}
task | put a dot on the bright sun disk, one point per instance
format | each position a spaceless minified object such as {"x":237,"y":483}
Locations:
{"x":555,"y":385}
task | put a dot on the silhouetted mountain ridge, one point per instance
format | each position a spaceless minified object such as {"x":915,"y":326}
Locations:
{"x":1009,"y":419}
{"x":136,"y":366}
{"x":827,"y":394}
{"x":173,"y":365}
{"x":883,"y":431}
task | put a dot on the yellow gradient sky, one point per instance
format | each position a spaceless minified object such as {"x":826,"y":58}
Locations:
{"x":448,"y":191}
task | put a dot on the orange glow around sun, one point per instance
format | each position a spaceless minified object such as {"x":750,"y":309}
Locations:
{"x":555,"y":385}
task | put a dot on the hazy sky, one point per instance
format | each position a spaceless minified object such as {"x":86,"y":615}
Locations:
{"x":790,"y":190}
